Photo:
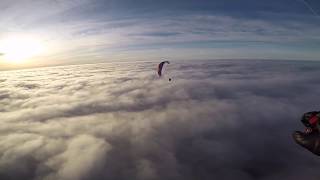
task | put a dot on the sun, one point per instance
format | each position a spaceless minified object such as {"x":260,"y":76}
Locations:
{"x":20,"y":49}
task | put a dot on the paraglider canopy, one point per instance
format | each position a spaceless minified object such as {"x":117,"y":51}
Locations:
{"x":160,"y":67}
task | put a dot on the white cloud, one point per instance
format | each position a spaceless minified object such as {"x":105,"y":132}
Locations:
{"x":83,"y":156}
{"x":216,"y":119}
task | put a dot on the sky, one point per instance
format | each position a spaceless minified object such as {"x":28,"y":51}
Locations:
{"x":227,"y":119}
{"x":55,"y":32}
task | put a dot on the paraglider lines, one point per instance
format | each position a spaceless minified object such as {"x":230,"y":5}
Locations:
{"x":310,"y":8}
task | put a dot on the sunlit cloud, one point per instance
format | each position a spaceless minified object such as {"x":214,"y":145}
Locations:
{"x":120,"y":121}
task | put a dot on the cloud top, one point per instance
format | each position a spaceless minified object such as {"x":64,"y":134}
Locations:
{"x":214,"y":120}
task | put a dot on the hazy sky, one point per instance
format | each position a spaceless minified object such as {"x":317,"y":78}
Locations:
{"x":85,"y":31}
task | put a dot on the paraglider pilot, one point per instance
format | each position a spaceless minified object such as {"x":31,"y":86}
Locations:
{"x":310,"y":138}
{"x":311,"y":120}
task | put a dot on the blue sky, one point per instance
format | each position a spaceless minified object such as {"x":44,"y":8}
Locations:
{"x":86,"y":31}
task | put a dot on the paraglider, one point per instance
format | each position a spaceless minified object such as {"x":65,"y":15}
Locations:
{"x":310,"y":138}
{"x":160,"y":67}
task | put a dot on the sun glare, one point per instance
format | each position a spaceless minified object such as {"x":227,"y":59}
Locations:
{"x":18,"y":50}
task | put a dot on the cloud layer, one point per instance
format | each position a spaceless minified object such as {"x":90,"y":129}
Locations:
{"x":215,"y":120}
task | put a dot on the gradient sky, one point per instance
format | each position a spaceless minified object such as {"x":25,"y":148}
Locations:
{"x":88,"y":31}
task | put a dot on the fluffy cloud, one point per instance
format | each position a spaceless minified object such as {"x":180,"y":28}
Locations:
{"x":216,"y":119}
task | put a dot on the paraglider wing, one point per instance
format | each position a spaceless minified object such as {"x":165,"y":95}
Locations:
{"x":309,"y":141}
{"x":160,"y":67}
